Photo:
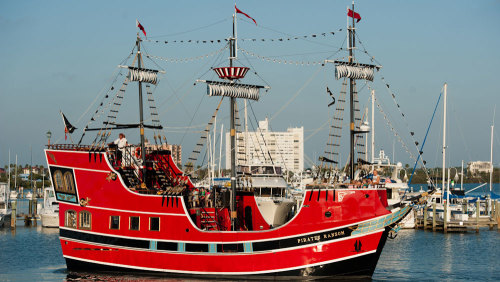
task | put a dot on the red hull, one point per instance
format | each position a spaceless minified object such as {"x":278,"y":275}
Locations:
{"x":332,"y":233}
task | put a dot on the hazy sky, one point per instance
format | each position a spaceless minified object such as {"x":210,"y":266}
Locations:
{"x":60,"y":55}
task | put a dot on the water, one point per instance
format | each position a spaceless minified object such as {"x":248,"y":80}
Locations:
{"x":34,"y":254}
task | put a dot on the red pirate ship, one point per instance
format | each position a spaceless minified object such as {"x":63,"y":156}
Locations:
{"x":135,"y":213}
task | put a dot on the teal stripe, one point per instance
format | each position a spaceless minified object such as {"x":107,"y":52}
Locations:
{"x":181,"y":247}
{"x":248,"y":247}
{"x":212,"y":248}
{"x":153,"y":245}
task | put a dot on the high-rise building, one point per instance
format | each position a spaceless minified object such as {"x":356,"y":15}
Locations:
{"x":176,"y":151}
{"x":263,"y":146}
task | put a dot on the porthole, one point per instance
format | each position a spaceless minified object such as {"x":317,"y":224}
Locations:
{"x":85,"y":221}
{"x":70,"y":219}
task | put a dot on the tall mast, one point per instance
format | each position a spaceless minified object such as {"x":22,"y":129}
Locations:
{"x":491,"y":160}
{"x":444,"y":141}
{"x":373,"y":129}
{"x":141,"y":114}
{"x":352,"y":84}
{"x":232,"y":55}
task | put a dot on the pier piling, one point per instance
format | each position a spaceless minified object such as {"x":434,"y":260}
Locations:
{"x":434,"y":217}
{"x":445,"y":217}
{"x":13,"y":217}
{"x":478,"y":212}
{"x":426,"y":215}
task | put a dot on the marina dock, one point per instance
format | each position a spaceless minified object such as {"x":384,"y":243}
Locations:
{"x":469,"y":222}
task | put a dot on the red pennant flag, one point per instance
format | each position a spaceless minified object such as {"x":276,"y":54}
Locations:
{"x":139,"y":25}
{"x":353,"y":14}
{"x":239,"y":11}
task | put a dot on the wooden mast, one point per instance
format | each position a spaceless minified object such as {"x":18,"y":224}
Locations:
{"x":352,"y":84}
{"x":141,"y":113}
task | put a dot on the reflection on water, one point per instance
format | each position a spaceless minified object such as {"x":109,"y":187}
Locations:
{"x":417,"y":254}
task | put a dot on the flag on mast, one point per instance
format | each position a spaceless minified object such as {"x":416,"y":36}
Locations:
{"x":353,"y":14}
{"x":139,"y":25}
{"x":241,"y":12}
{"x":68,"y":127}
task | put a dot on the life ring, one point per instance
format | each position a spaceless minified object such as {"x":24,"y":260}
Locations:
{"x":138,"y":153}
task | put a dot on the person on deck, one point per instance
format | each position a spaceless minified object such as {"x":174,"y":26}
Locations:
{"x":376,"y":177}
{"x":121,"y":143}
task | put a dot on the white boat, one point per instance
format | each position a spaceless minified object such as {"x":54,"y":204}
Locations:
{"x":49,"y":211}
{"x":29,"y":196}
{"x":273,"y":195}
{"x":5,"y":209}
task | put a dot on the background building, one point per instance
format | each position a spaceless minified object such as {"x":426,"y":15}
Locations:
{"x":176,"y":151}
{"x":478,"y":167}
{"x":285,"y":149}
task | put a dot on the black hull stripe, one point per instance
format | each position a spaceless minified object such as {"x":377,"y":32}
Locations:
{"x":261,"y":246}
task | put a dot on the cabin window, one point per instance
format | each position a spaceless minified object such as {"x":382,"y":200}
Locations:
{"x":134,"y":223}
{"x":69,"y":185}
{"x":85,"y":220}
{"x":70,"y":218}
{"x":114,"y":222}
{"x":58,"y":180}
{"x":154,"y":223}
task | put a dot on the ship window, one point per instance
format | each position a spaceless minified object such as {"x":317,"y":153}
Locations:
{"x":68,"y":182}
{"x":85,"y":220}
{"x":134,"y":223}
{"x":114,"y":222}
{"x":70,"y":218}
{"x":58,"y":180}
{"x":154,"y":223}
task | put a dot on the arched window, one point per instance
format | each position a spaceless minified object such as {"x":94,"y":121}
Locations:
{"x":69,"y":185}
{"x":85,"y":220}
{"x":70,"y":218}
{"x":58,"y":180}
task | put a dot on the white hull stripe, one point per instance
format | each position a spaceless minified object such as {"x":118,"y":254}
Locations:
{"x":221,"y":273}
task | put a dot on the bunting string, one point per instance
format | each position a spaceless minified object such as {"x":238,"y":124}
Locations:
{"x":215,"y":41}
{"x":185,"y":60}
{"x":289,"y":62}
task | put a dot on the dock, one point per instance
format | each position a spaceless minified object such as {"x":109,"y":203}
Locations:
{"x":468,"y":222}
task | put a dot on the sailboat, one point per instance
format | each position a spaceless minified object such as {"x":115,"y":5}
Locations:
{"x":134,"y":212}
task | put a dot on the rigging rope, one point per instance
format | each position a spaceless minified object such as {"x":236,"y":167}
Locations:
{"x":268,"y":59}
{"x":190,"y":59}
{"x":280,"y":39}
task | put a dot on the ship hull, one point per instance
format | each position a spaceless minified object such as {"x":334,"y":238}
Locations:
{"x":335,"y":231}
{"x":361,"y":263}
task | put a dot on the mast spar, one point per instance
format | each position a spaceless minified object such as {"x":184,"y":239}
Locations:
{"x":141,"y":112}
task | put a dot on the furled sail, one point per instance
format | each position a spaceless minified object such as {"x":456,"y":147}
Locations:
{"x":233,"y":90}
{"x":143,"y":75}
{"x":354,"y":72}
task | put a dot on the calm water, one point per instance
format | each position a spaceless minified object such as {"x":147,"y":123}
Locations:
{"x":34,"y":254}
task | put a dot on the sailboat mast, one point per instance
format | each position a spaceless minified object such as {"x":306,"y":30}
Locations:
{"x":352,"y":84}
{"x":373,"y":129}
{"x":141,"y":114}
{"x":444,"y":140}
{"x":232,"y":55}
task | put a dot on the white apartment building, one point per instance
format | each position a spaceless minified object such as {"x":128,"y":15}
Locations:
{"x":285,"y":149}
{"x":479,"y":166}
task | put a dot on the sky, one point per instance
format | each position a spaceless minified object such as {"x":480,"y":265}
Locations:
{"x":63,"y":55}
